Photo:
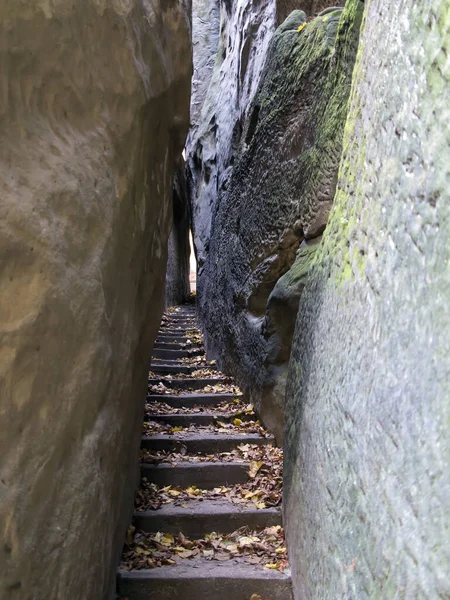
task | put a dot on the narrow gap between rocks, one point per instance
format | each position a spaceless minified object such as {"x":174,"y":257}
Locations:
{"x":211,"y":488}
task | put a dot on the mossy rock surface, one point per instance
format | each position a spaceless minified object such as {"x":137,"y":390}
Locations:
{"x":281,"y":188}
{"x":367,"y":449}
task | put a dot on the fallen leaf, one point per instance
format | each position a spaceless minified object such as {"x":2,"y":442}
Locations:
{"x":254,"y":468}
{"x":222,"y":556}
{"x":167,"y":540}
{"x":187,"y":553}
{"x":245,"y":541}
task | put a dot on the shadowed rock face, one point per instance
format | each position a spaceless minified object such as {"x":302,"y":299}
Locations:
{"x":367,"y":447}
{"x":278,"y":194}
{"x":178,"y":267}
{"x":94,"y":111}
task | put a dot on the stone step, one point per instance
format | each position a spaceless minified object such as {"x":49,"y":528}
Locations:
{"x":185,"y":333}
{"x":185,"y":314}
{"x":198,"y":419}
{"x":169,"y":339}
{"x":193,"y":347}
{"x":200,"y":517}
{"x":183,"y":324}
{"x":205,"y":475}
{"x":164,"y":367}
{"x":203,"y":580}
{"x":174,"y":353}
{"x":176,"y":327}
{"x":191,"y":400}
{"x":186,"y":384}
{"x":205,"y":443}
{"x":174,"y":333}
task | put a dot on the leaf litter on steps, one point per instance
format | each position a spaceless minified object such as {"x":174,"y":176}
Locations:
{"x":262,"y":490}
{"x":263,"y":547}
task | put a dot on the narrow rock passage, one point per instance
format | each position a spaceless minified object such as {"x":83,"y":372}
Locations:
{"x":207,"y":520}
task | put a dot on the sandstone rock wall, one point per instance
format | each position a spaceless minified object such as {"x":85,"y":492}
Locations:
{"x":278,"y":194}
{"x":178,"y":267}
{"x":230,"y":42}
{"x":367,"y":477}
{"x":93,"y":112}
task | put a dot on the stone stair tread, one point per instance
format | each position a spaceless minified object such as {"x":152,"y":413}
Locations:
{"x":163,"y":368}
{"x":206,"y":475}
{"x":196,"y":579}
{"x":186,"y":383}
{"x":175,"y":347}
{"x":169,"y":339}
{"x":210,"y":506}
{"x":176,"y":363}
{"x":246,"y":438}
{"x":163,"y":351}
{"x":195,"y":518}
{"x":200,"y":418}
{"x":190,"y":400}
{"x":221,"y":396}
{"x":208,"y":443}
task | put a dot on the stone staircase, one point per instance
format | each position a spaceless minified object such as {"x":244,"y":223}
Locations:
{"x":208,"y":516}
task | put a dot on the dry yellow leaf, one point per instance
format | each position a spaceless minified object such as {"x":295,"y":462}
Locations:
{"x":245,"y":541}
{"x":273,"y":530}
{"x":167,"y":540}
{"x":252,"y":494}
{"x":237,"y":422}
{"x":254,"y":468}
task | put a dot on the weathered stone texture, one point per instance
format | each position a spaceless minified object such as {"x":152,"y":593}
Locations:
{"x":230,"y":45}
{"x":94,"y":107}
{"x":311,"y":7}
{"x":178,"y":267}
{"x":230,"y":41}
{"x":368,"y":404}
{"x":279,"y":193}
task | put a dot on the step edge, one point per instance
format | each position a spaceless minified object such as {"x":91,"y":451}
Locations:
{"x":210,"y":437}
{"x":191,"y":465}
{"x":171,"y":573}
{"x":245,"y":511}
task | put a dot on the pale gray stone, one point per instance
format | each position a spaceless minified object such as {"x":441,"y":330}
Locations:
{"x":367,"y":479}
